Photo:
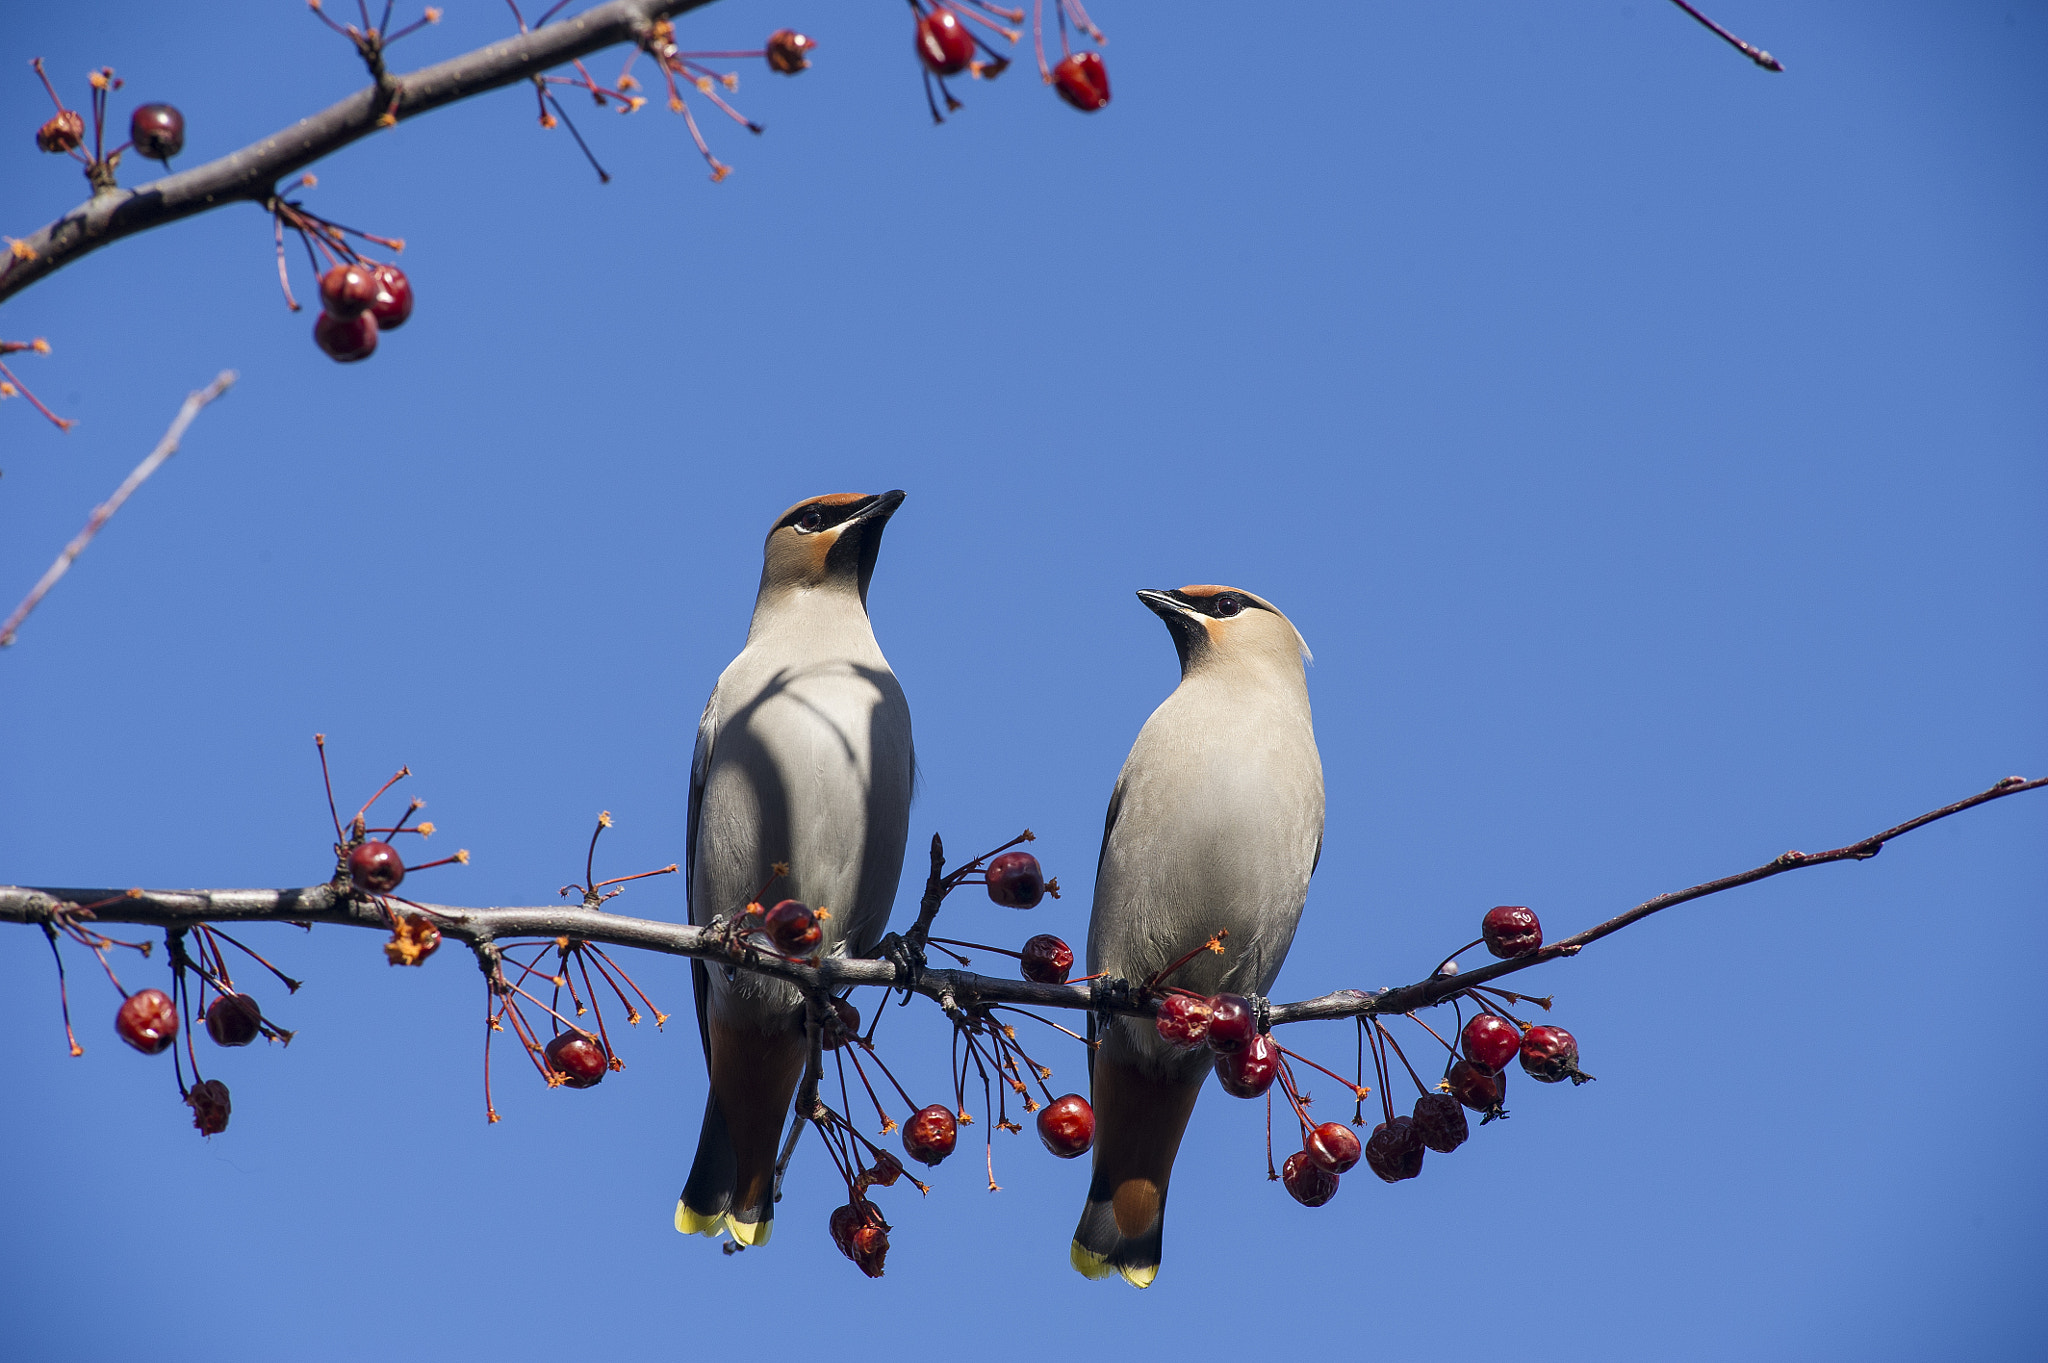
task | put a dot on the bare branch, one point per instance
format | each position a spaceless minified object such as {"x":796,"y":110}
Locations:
{"x":104,"y":512}
{"x":250,"y":175}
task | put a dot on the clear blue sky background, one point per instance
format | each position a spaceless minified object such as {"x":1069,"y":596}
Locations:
{"x":1650,"y":447}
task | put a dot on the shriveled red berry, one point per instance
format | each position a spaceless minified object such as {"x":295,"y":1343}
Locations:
{"x":1551,"y":1055}
{"x":1479,"y":1087}
{"x":233,"y":1020}
{"x":1441,"y":1122}
{"x":886,"y":1170}
{"x":157,"y":130}
{"x":793,"y":928}
{"x":943,"y":43}
{"x":1016,"y":881}
{"x":1332,"y":1145}
{"x":148,"y":1021}
{"x":394,"y":298}
{"x":1047,"y":960}
{"x":1394,"y":1151}
{"x":348,"y":290}
{"x":1491,"y":1040}
{"x":862,"y":1235}
{"x":375,"y":867}
{"x":930,"y":1134}
{"x":1083,"y":81}
{"x":1307,"y":1182}
{"x":1183,"y":1020}
{"x":580,"y":1061}
{"x":789,"y":51}
{"x":1067,"y":1126}
{"x":346,"y":339}
{"x":1232,"y":1024}
{"x":848,"y":1028}
{"x":843,"y":1223}
{"x":1510,"y":931}
{"x":210,"y":1106}
{"x":63,"y":133}
{"x":1249,"y":1071}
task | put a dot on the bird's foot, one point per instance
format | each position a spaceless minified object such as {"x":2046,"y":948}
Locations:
{"x":907,"y":956}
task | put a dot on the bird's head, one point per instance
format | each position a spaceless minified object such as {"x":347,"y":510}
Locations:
{"x":1213,"y":624}
{"x":828,"y":541}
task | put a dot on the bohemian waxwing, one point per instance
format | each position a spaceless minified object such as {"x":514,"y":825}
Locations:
{"x":1216,"y":822}
{"x":803,"y":757}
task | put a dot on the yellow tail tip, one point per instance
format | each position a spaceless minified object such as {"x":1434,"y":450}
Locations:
{"x":1089,"y":1264}
{"x":749,"y":1233}
{"x":693,"y":1223}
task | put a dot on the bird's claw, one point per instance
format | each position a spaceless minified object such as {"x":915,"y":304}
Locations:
{"x":907,"y":956}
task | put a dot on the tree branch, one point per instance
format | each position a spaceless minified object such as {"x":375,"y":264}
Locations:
{"x":485,"y":929}
{"x":251,"y":174}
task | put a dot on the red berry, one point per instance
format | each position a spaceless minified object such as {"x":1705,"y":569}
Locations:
{"x":943,"y":43}
{"x":233,"y":1020}
{"x":1491,"y":1040}
{"x":862,"y":1235}
{"x":147,"y":1021}
{"x":1183,"y":1020}
{"x":1083,"y":81}
{"x":1249,"y":1072}
{"x":1395,"y":1150}
{"x":1511,"y":931}
{"x":63,"y":133}
{"x":578,"y":1059}
{"x":1015,"y":880}
{"x":1232,"y":1024}
{"x":1332,"y":1145}
{"x":348,"y":290}
{"x":1067,"y":1126}
{"x":210,"y":1106}
{"x":1047,"y":960}
{"x":157,"y":130}
{"x":394,"y":298}
{"x":793,"y":928}
{"x":346,"y":339}
{"x":887,"y":1169}
{"x":1307,"y":1182}
{"x":1441,"y":1122}
{"x":1551,"y":1054}
{"x":929,"y":1135}
{"x":848,"y":1028}
{"x":375,"y":867}
{"x":843,"y":1223}
{"x":1479,"y":1087}
{"x":789,"y":51}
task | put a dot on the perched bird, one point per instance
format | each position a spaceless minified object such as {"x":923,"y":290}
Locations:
{"x":804,"y":758}
{"x":1216,"y":823}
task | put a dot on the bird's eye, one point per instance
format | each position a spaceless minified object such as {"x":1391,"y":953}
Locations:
{"x":1228,"y":605}
{"x":810,"y":521}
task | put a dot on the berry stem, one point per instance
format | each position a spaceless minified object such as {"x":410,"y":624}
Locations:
{"x":63,"y":994}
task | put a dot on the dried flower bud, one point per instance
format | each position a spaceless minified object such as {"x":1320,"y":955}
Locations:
{"x":62,"y":133}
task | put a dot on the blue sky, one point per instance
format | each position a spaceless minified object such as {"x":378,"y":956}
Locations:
{"x":1649,"y":447}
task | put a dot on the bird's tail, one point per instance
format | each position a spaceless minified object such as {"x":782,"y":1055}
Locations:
{"x":732,"y":1181}
{"x":1139,"y":1120}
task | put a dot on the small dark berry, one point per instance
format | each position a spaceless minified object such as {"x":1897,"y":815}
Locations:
{"x":147,"y":1021}
{"x":929,"y":1135}
{"x":1183,"y":1020}
{"x":1441,"y":1122}
{"x":63,"y":133}
{"x":848,"y":1028}
{"x":158,"y":131}
{"x":233,"y":1020}
{"x":394,"y":298}
{"x":862,"y":1235}
{"x":1479,"y":1087}
{"x":375,"y":867}
{"x":1307,"y":1182}
{"x":1395,"y":1150}
{"x":943,"y":43}
{"x":210,"y":1106}
{"x":843,"y":1223}
{"x":1551,"y":1055}
{"x":578,"y":1059}
{"x":1232,"y":1024}
{"x":346,"y":339}
{"x":1249,"y":1072}
{"x":1015,"y":880}
{"x":789,"y":51}
{"x":793,"y":928}
{"x":1491,"y":1040}
{"x":1047,"y":960}
{"x":1332,"y":1145}
{"x":1510,"y":931}
{"x":887,"y":1169}
{"x":348,"y":290}
{"x":1067,"y":1126}
{"x":1083,"y":81}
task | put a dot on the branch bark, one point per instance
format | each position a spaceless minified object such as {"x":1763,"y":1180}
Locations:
{"x":483,"y":930}
{"x":251,"y":174}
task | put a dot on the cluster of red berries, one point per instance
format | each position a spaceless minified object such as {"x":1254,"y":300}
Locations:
{"x":148,"y":1021}
{"x":947,"y":46}
{"x":359,"y":300}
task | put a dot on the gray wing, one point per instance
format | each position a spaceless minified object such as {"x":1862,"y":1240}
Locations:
{"x":700,"y":765}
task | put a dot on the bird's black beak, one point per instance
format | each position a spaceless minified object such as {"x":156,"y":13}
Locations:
{"x":1182,"y":625}
{"x":862,"y":532}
